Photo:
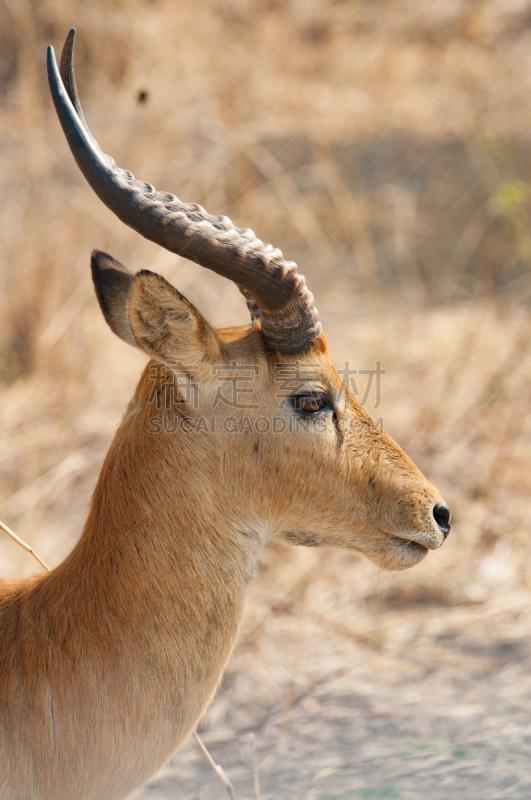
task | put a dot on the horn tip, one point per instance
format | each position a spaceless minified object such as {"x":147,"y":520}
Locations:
{"x":51,"y":65}
{"x":69,"y":41}
{"x":68,"y":48}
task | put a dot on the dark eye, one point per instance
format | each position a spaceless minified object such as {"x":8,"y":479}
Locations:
{"x":310,"y":403}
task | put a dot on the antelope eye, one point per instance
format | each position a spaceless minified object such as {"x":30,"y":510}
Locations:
{"x":310,"y":403}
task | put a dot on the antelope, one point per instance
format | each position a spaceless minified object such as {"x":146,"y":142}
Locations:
{"x":108,"y":662}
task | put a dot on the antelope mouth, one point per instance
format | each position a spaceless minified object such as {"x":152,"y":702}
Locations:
{"x":403,"y":552}
{"x":412,"y":545}
{"x":412,"y":553}
{"x":421,"y":542}
{"x":396,"y":553}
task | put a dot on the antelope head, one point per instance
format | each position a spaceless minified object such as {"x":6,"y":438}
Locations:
{"x":257,"y":414}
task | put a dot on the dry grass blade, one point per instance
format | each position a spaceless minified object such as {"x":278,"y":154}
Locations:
{"x":22,"y":544}
{"x":252,"y":742}
{"x":217,"y":769}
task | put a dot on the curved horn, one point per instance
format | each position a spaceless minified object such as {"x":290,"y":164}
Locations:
{"x":274,"y":291}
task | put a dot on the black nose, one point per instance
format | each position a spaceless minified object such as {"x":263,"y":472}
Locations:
{"x":442,"y":518}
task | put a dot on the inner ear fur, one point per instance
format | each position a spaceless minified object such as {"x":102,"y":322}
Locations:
{"x":166,"y":325}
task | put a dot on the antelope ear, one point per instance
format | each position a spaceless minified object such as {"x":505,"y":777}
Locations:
{"x":112,"y":282}
{"x":147,"y":312}
{"x":166,"y":325}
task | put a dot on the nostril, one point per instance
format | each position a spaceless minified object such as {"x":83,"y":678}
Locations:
{"x":442,"y":518}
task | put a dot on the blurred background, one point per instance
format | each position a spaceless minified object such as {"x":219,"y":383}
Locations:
{"x":385,"y":146}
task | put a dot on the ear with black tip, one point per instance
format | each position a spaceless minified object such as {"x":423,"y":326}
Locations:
{"x":166,"y":325}
{"x":113,"y":282}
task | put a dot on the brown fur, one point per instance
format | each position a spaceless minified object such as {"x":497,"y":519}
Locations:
{"x":108,"y":662}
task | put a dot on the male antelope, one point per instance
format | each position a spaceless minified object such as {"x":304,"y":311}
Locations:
{"x":108,"y":662}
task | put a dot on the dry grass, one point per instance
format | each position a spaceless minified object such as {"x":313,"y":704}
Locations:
{"x":384,"y":146}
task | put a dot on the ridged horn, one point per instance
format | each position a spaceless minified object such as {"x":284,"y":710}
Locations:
{"x":275,"y":292}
